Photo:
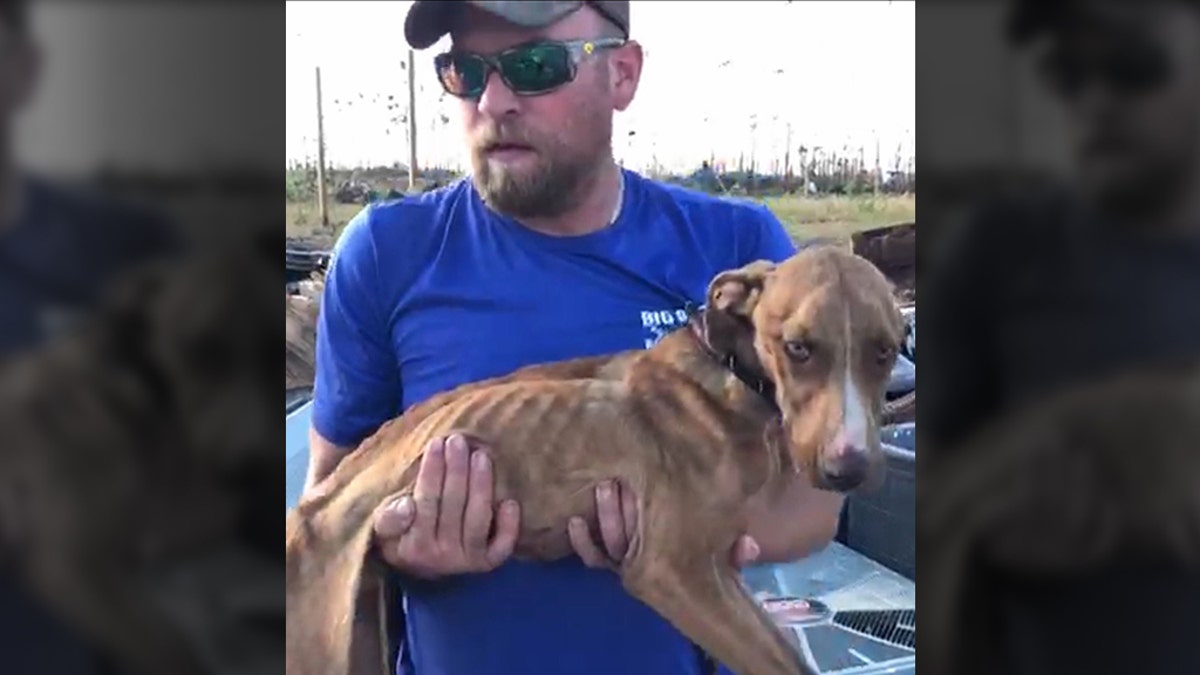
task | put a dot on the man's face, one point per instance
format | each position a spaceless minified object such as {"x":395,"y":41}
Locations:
{"x":531,"y":154}
{"x":1129,"y":76}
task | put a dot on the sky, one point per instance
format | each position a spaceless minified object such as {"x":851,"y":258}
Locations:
{"x":838,"y":73}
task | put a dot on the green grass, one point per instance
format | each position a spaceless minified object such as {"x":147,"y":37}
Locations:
{"x":835,"y":217}
{"x":838,"y":217}
{"x":304,"y":220}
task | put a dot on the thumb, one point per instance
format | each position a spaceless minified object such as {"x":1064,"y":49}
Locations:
{"x":745,"y":551}
{"x":395,"y":518}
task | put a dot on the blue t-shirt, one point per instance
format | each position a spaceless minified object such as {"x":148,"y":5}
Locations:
{"x":61,"y":252}
{"x":433,"y":291}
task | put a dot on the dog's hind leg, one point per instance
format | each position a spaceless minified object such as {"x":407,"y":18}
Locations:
{"x":334,"y":623}
{"x":369,"y":645}
{"x":702,"y":596}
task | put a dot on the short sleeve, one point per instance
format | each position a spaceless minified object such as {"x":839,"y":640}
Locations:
{"x":357,"y":383}
{"x":766,"y":239}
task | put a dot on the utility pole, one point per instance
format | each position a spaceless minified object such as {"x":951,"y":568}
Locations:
{"x":412,"y":124}
{"x":787,"y":155}
{"x":322,"y":208}
{"x":878,"y":169}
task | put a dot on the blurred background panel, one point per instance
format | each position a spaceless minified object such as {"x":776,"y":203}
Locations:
{"x":1060,"y":180}
{"x":146,"y":86}
{"x":986,"y":124}
{"x":988,"y":114}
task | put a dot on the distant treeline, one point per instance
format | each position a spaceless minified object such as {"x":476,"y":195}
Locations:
{"x":846,"y":178}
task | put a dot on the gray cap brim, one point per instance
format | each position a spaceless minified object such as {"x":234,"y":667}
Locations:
{"x":429,"y":20}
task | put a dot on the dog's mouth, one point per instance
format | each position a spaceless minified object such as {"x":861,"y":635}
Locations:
{"x":841,"y":482}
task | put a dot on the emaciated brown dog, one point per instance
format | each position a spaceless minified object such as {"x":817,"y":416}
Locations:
{"x":783,"y":373}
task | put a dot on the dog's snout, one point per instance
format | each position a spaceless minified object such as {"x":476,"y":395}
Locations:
{"x":849,"y":453}
{"x":845,"y":465}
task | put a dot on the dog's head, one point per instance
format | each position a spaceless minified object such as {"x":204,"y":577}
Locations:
{"x":824,"y":327}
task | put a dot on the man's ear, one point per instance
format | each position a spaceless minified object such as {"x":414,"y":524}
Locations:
{"x":736,"y":292}
{"x":625,"y":72}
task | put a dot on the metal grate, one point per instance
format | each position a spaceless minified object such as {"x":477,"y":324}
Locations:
{"x":895,"y":626}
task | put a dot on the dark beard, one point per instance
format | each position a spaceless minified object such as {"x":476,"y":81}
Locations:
{"x":548,"y":192}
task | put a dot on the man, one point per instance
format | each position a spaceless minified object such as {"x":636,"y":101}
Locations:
{"x":1074,"y":284}
{"x":58,"y":249}
{"x":549,"y":251}
{"x":58,"y":246}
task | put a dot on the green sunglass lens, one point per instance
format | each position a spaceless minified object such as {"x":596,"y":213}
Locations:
{"x":462,"y":75}
{"x":536,"y":68}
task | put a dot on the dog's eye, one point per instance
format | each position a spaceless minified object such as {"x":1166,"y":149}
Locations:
{"x":884,"y":354}
{"x":798,"y":350}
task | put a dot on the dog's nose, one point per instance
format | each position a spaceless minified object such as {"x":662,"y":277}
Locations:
{"x":850,"y":458}
{"x":846,"y":465}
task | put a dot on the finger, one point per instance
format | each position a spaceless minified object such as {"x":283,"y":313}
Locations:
{"x":585,"y":548}
{"x":508,"y":526}
{"x":477,"y":522}
{"x":629,"y":512}
{"x":745,"y":551}
{"x":454,"y":492}
{"x":427,"y":493}
{"x":392,"y":523}
{"x":394,"y":518}
{"x":612,"y":523}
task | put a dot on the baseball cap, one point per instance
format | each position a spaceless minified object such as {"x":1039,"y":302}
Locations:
{"x":429,"y":20}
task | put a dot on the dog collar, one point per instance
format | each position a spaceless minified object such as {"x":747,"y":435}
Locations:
{"x":763,"y":386}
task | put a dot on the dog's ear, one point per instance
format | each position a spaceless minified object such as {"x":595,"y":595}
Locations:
{"x":732,"y":296}
{"x":736,"y":292}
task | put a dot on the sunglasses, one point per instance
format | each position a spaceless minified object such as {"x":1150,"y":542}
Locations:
{"x":1130,"y":71}
{"x":527,"y":70}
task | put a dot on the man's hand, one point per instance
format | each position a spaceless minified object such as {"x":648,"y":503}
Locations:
{"x":443,"y":528}
{"x":617,"y":512}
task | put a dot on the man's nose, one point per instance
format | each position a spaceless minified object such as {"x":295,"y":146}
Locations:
{"x":497,"y":100}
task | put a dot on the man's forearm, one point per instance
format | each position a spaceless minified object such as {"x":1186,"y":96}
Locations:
{"x":323,"y":458}
{"x":800,"y":521}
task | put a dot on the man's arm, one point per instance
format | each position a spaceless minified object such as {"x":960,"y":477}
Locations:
{"x":357,"y":382}
{"x":323,"y":457}
{"x":765,"y":238}
{"x":800,"y":521}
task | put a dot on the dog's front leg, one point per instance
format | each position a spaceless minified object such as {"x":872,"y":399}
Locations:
{"x":700,"y":593}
